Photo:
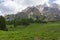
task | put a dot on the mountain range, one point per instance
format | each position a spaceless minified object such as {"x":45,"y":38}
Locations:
{"x":51,"y":13}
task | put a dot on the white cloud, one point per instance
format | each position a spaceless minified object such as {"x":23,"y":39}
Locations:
{"x":12,"y":6}
{"x":31,"y":2}
{"x":9,"y":7}
{"x":1,"y":13}
{"x":57,"y":1}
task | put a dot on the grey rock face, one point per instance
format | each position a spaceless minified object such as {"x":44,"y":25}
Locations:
{"x":51,"y":13}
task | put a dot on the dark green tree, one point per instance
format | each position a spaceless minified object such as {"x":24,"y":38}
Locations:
{"x":2,"y":23}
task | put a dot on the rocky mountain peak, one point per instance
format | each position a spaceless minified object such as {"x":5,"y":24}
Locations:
{"x":44,"y":10}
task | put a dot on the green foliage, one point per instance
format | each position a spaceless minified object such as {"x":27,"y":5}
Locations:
{"x":10,"y":22}
{"x":2,"y":23}
{"x":31,"y":20}
{"x":24,"y":22}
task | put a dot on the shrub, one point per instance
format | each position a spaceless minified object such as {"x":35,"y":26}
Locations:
{"x":24,"y":22}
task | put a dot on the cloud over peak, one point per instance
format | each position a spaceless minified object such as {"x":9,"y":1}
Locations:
{"x":13,"y":6}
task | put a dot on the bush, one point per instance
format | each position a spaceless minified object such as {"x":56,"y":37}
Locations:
{"x":40,"y":21}
{"x":24,"y":22}
{"x":9,"y":22}
{"x":31,"y":20}
{"x":2,"y":23}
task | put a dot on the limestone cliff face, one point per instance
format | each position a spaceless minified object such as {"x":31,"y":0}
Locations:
{"x":51,"y":12}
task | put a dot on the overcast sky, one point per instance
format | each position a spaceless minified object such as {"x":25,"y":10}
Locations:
{"x":13,"y":6}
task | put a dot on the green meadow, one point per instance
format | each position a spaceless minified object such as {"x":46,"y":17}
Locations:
{"x":34,"y":31}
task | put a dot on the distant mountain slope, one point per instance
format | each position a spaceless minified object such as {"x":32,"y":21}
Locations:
{"x":29,"y":12}
{"x":52,"y":12}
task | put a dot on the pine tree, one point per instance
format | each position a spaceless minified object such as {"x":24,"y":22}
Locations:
{"x":2,"y":23}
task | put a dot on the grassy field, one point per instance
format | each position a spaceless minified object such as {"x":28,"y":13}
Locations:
{"x":49,"y":31}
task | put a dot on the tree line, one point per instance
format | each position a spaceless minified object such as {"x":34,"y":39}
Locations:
{"x":16,"y":22}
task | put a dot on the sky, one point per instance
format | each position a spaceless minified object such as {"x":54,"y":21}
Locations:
{"x":14,"y":6}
